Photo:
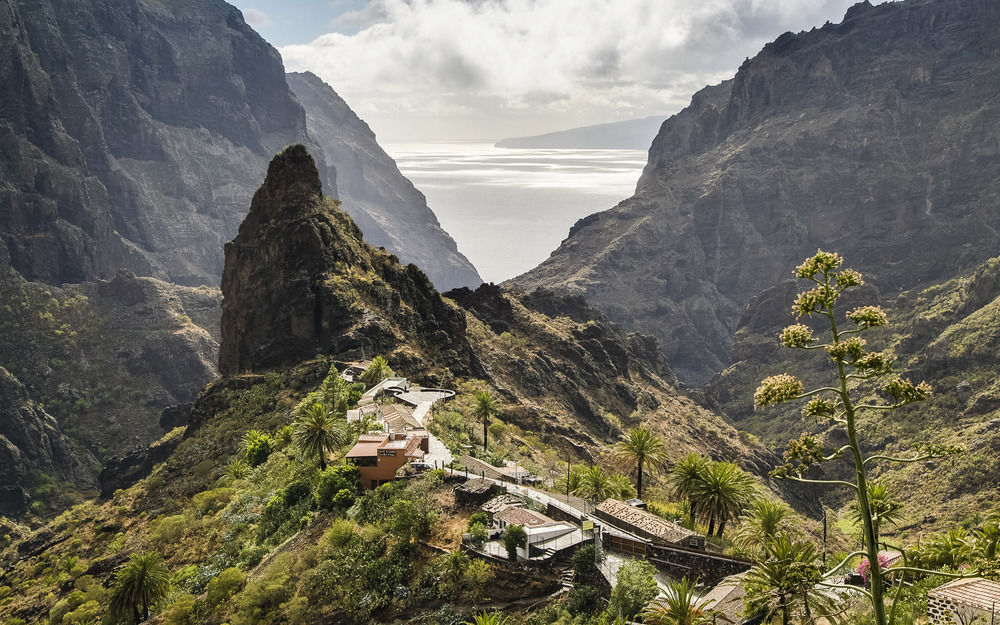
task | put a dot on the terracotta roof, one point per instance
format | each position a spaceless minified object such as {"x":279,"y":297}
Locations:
{"x":726,"y":599}
{"x":368,"y":445}
{"x":645,"y":521}
{"x":516,"y":515}
{"x":976,"y":591}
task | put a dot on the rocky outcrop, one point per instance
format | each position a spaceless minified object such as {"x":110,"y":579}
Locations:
{"x":300,"y":281}
{"x":132,"y":135}
{"x":390,"y":211}
{"x":30,"y":439}
{"x":876,"y":137}
{"x":123,"y":471}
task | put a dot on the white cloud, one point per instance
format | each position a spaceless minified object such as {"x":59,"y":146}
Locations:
{"x":492,"y":68}
{"x":256,"y":18}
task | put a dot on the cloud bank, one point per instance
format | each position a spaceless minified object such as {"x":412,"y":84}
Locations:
{"x":485,"y":69}
{"x":256,"y":18}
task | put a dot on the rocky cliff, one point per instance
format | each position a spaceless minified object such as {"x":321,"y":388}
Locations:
{"x":299,"y":280}
{"x":390,"y":211}
{"x":878,"y":137}
{"x":132,"y":135}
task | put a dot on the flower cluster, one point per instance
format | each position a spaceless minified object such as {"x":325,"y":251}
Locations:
{"x":777,"y":389}
{"x":873,"y":364}
{"x":821,"y":408}
{"x":802,"y":453}
{"x":864,"y":569}
{"x":797,"y":335}
{"x":868,"y":316}
{"x":848,"y":278}
{"x":850,"y":349}
{"x":813,"y":300}
{"x":822,"y":262}
{"x":902,"y":391}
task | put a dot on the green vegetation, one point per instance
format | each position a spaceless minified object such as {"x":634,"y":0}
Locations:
{"x":636,"y":587}
{"x":680,"y":606}
{"x":715,"y":491}
{"x":376,"y":371}
{"x":484,"y":408}
{"x":856,"y":390}
{"x":514,"y":537}
{"x":641,"y":449}
{"x":318,"y":433}
{"x":139,"y":586}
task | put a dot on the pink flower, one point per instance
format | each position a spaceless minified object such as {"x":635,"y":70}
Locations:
{"x":863,"y":568}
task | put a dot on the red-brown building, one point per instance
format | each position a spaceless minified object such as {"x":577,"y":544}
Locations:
{"x":379,"y":456}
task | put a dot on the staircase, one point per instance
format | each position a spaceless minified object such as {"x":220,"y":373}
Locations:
{"x":566,"y":579}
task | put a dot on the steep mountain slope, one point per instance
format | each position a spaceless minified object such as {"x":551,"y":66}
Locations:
{"x":947,"y":334}
{"x":386,"y":206}
{"x":632,"y":134}
{"x":878,"y":137}
{"x":133,"y":135}
{"x":97,"y":362}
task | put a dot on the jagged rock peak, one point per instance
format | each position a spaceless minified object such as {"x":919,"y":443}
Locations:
{"x":292,"y":184}
{"x":300,"y":281}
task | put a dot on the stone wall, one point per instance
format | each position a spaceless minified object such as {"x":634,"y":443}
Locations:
{"x":708,"y":568}
{"x":946,"y":612}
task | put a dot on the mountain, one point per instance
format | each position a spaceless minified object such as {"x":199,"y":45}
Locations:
{"x":632,"y":134}
{"x":251,"y":544}
{"x":876,"y":137}
{"x":386,"y":206}
{"x":133,"y":134}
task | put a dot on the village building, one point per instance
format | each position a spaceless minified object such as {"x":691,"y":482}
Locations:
{"x":379,"y":456}
{"x":647,"y":525}
{"x":725,"y":602}
{"x":963,"y":601}
{"x":545,"y":536}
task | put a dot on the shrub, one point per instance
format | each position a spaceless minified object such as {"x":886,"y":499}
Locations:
{"x":478,"y":534}
{"x":257,"y":447}
{"x":332,"y":481}
{"x":180,"y":612}
{"x":636,"y":587}
{"x":225,"y":585}
{"x":478,"y":517}
{"x":168,"y":530}
{"x":584,"y":599}
{"x":513,"y":538}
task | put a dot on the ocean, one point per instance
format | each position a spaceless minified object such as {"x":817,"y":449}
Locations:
{"x":509,"y":209}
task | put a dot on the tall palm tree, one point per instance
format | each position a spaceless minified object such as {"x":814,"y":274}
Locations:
{"x":681,"y":606}
{"x":484,"y":408}
{"x":641,"y":449}
{"x":885,"y":509}
{"x":376,"y":371}
{"x":786,"y":582}
{"x":621,"y":486}
{"x":763,"y":521}
{"x":722,"y":493}
{"x":688,"y":472}
{"x":595,"y":484}
{"x":140,"y":585}
{"x":317,"y":433}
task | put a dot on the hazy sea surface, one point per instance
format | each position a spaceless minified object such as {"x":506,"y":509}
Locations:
{"x":508,"y":209}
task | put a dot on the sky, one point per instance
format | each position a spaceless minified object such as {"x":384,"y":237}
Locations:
{"x":483,"y":70}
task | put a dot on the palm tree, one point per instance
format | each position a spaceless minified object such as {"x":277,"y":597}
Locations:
{"x":786,"y":580}
{"x":621,"y":487}
{"x":484,"y":408}
{"x":680,"y":606}
{"x":595,"y":484}
{"x":884,"y":507}
{"x":141,"y":584}
{"x":685,"y":475}
{"x":641,"y":448}
{"x":760,"y":525}
{"x":376,"y":371}
{"x":722,"y":493}
{"x":318,"y":433}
